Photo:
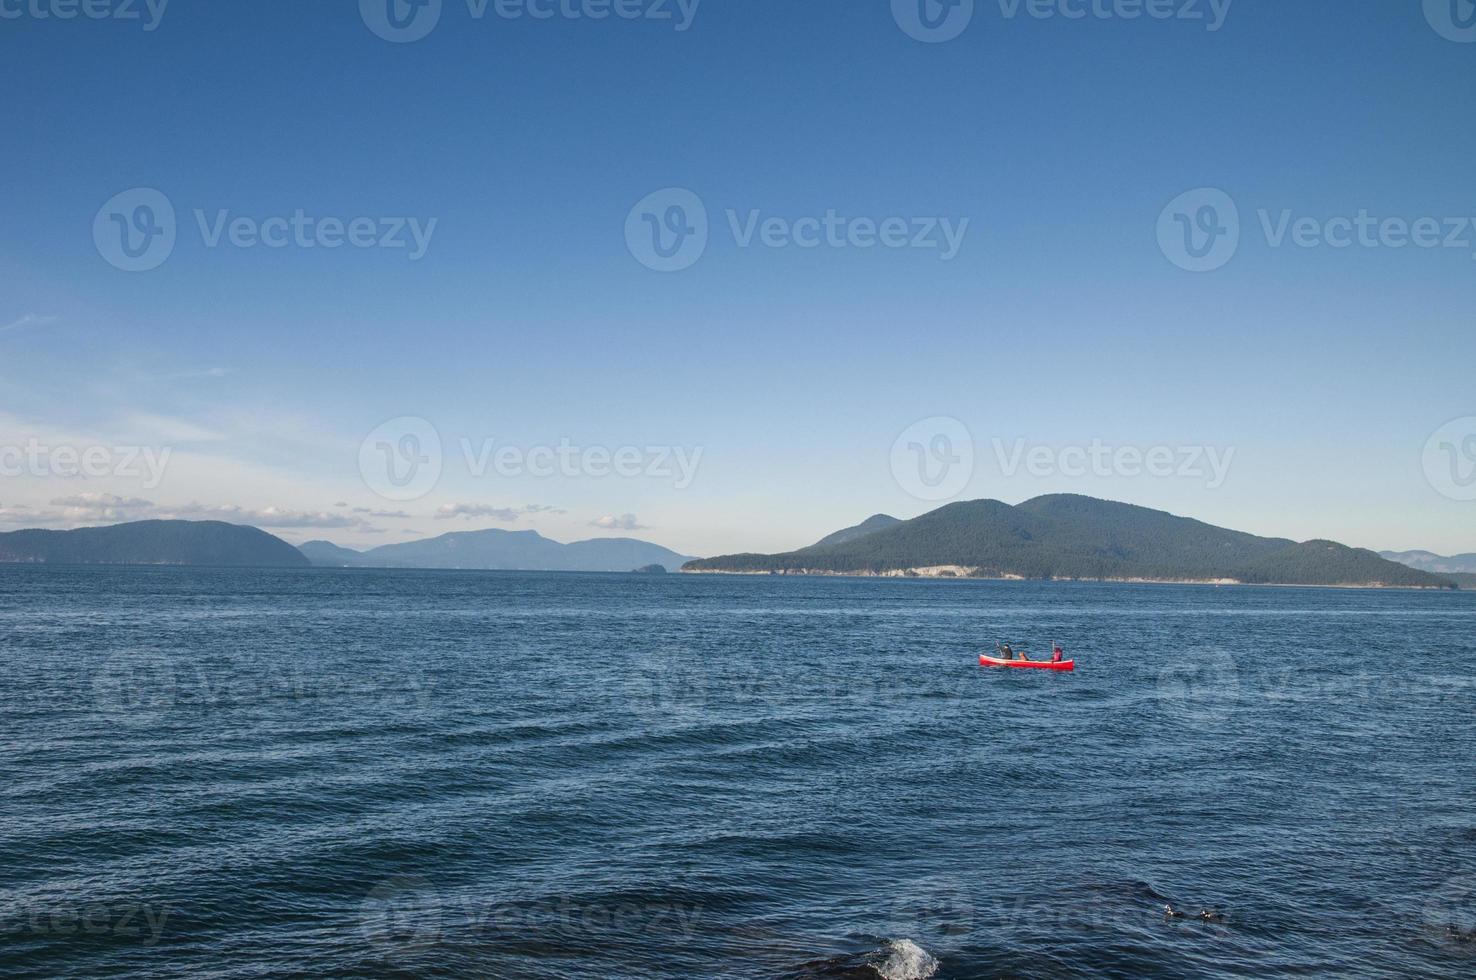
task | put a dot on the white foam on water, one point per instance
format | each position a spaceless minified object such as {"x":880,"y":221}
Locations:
{"x":906,"y":960}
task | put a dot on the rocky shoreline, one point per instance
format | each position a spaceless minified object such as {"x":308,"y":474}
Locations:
{"x":963,"y":572}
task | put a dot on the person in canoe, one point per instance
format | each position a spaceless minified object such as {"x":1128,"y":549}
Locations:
{"x":1057,"y":655}
{"x":1006,"y":652}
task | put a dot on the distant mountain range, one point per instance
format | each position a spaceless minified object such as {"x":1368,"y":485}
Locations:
{"x":152,"y":543}
{"x":1428,"y":561}
{"x":1060,"y":537}
{"x":502,"y":550}
{"x":1460,"y":569}
{"x":215,"y":543}
{"x":1065,"y":536}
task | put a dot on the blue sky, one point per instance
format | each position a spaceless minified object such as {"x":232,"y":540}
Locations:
{"x":1061,"y":323}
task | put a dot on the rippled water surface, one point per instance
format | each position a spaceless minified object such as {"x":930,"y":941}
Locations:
{"x":350,"y":773}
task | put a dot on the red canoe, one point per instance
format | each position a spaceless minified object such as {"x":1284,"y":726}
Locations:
{"x":1037,"y":664}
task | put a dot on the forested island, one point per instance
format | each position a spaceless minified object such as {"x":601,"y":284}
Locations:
{"x":152,"y":543}
{"x":1066,"y":536}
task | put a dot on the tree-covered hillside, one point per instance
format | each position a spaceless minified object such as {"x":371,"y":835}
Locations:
{"x":153,"y":543}
{"x":877,"y":522}
{"x":1068,"y":536}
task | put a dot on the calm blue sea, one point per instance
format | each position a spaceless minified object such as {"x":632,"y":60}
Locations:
{"x":422,"y":774}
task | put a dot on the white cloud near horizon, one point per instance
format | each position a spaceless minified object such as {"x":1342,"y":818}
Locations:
{"x":271,"y":517}
{"x":102,"y":506}
{"x":82,"y":508}
{"x":624,"y":522}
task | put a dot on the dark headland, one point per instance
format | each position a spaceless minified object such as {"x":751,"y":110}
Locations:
{"x":153,"y":543}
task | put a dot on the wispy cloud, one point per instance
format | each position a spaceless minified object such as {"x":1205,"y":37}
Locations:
{"x":507,"y":515}
{"x":29,"y":320}
{"x":271,"y":517}
{"x":451,"y":512}
{"x":169,"y":430}
{"x":624,"y":522}
{"x":193,"y":374}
